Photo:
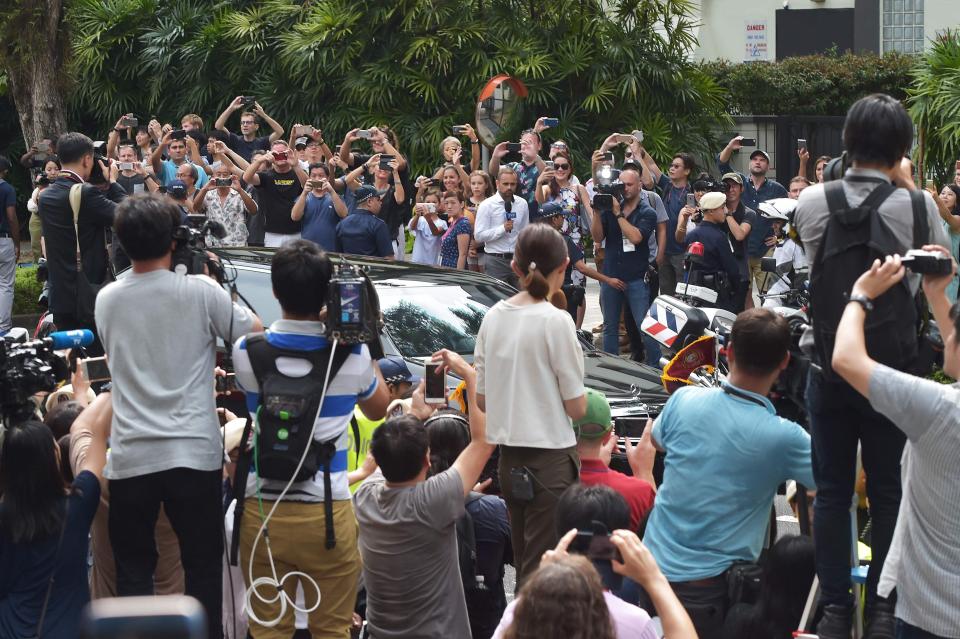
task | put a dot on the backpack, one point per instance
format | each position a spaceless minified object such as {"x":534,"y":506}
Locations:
{"x":467,"y":546}
{"x":854,"y":237}
{"x":484,"y":605}
{"x":288,"y":409}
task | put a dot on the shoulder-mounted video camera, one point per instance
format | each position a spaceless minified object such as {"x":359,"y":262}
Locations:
{"x":27,"y":368}
{"x":190,"y":253}
{"x":607,"y":185}
{"x":353,"y":308}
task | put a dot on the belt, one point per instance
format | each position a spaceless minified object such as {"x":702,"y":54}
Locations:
{"x":508,"y":256}
{"x":704,"y":583}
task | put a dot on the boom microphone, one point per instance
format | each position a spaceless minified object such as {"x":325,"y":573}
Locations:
{"x":61,"y":340}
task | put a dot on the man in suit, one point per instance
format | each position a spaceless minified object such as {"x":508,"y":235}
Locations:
{"x":95,"y":217}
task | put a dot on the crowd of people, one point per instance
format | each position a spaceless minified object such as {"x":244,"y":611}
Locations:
{"x":352,"y":500}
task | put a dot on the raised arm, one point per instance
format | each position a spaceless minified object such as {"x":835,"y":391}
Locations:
{"x":953,"y":221}
{"x":93,"y":426}
{"x":273,"y":124}
{"x":221,"y":123}
{"x":723,"y":160}
{"x":250,"y":173}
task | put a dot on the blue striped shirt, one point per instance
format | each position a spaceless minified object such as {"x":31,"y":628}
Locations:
{"x":355,"y":381}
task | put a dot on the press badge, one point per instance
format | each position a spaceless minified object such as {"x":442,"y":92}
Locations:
{"x":628,"y":246}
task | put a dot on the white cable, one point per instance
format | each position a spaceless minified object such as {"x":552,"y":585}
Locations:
{"x":274,"y":581}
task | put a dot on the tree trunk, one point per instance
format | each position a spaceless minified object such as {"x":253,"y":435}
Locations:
{"x":35,"y":68}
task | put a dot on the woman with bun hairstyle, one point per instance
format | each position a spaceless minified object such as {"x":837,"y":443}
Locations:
{"x":530,"y":368}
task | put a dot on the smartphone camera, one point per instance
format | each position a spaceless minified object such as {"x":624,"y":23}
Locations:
{"x":385,"y":161}
{"x":459,"y":129}
{"x":513,"y":147}
{"x":178,"y":134}
{"x":435,"y":385}
{"x":364,"y":134}
{"x":130,"y":122}
{"x":548,"y":165}
{"x":551,"y":122}
{"x":95,"y":369}
{"x":222,"y":181}
{"x":631,"y":427}
{"x":801,"y":144}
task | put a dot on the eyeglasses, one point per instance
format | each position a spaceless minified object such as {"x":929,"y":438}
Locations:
{"x":561,"y":167}
{"x":676,"y":166}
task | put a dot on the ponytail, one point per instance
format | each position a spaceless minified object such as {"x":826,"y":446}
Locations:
{"x":540,"y":251}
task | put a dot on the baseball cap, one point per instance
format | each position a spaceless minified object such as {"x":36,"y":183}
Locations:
{"x":395,"y":370}
{"x":712,"y":200}
{"x":760,"y":152}
{"x":300,"y":143}
{"x":547,"y":210}
{"x":596,"y":422}
{"x":366,"y":192}
{"x":177,"y":190}
{"x":732,"y":176}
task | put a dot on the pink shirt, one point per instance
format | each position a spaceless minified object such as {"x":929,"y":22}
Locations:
{"x":629,"y":621}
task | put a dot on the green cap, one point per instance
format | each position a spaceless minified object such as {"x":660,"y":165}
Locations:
{"x":596,"y":423}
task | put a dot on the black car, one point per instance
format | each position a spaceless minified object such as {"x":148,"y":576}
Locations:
{"x":427,"y":308}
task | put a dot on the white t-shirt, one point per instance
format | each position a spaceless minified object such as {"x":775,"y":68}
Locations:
{"x":528,"y":362}
{"x":426,"y":245}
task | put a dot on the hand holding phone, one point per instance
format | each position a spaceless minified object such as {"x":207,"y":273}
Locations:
{"x":513,"y":147}
{"x":95,"y":369}
{"x":435,"y":384}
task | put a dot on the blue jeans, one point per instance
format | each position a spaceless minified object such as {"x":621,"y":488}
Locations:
{"x":839,"y":418}
{"x":906,"y":631}
{"x":637,"y":296}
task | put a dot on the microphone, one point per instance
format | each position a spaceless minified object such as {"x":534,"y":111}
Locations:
{"x":507,"y":209}
{"x":61,"y":340}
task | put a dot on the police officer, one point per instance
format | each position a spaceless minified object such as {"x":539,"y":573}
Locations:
{"x":362,"y":232}
{"x":718,"y":256}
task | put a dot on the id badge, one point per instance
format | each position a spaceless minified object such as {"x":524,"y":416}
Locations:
{"x":628,"y":246}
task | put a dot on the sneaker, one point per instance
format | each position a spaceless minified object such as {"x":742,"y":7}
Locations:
{"x":836,"y":622}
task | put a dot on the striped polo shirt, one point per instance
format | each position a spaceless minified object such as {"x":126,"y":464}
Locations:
{"x":355,"y":381}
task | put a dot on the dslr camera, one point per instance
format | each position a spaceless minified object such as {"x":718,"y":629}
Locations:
{"x":190,"y":253}
{"x":927,"y":262}
{"x":607,"y":186}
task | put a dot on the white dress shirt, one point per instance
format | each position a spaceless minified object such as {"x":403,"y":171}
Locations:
{"x":490,"y":219}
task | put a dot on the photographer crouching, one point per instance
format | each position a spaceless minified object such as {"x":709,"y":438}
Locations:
{"x":844,"y":224}
{"x":159,"y":330}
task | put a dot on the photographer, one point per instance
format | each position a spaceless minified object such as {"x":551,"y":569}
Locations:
{"x":718,"y":259}
{"x":726,"y":454}
{"x":176,"y":150}
{"x":133,"y":177}
{"x":277,"y":190}
{"x":244,"y":145}
{"x":9,"y":246}
{"x":223,"y":200}
{"x":877,"y":133}
{"x":320,"y":207}
{"x":300,"y":275}
{"x":165,"y":446}
{"x":72,"y":293}
{"x":924,"y":559}
{"x":627,"y":228}
{"x":529,"y":167}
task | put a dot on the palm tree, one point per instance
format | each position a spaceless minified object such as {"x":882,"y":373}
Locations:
{"x":934,"y":103}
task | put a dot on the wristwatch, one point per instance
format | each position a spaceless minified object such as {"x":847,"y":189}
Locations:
{"x":862,"y":300}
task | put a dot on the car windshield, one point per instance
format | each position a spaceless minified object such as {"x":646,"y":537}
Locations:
{"x":421,"y":318}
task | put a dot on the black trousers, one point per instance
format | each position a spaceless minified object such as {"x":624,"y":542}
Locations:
{"x":705,"y":601}
{"x":192,"y":500}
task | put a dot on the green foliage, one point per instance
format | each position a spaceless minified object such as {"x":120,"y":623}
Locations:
{"x":811,"y":85}
{"x":26,"y":290}
{"x":939,"y":376}
{"x":934,"y":103}
{"x":415,"y":64}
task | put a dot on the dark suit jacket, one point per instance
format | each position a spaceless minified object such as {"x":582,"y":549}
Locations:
{"x":96,"y":216}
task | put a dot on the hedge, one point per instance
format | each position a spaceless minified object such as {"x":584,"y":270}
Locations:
{"x":811,"y":85}
{"x":26,"y":290}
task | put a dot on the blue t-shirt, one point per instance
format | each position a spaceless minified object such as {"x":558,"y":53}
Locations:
{"x":25,"y":571}
{"x":8,"y":198}
{"x":449,"y":248}
{"x":363,"y":233}
{"x":726,"y":454}
{"x":631,"y":264}
{"x":320,"y":221}
{"x":168,"y":173}
{"x":674,"y":200}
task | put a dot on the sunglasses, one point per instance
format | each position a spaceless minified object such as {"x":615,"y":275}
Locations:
{"x":561,"y":167}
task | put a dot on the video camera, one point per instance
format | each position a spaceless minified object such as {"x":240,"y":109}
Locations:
{"x":353,"y":308}
{"x":27,"y":368}
{"x":190,"y":253}
{"x":607,"y":186}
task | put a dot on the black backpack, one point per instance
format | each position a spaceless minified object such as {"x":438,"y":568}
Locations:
{"x":855,"y":236}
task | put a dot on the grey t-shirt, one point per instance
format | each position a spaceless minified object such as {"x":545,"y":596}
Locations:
{"x":408,"y":543}
{"x":656,"y":203}
{"x":923,"y":562}
{"x":159,"y":331}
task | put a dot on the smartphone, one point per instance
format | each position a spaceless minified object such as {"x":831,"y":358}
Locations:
{"x":595,"y":546}
{"x":931,"y":185}
{"x":513,"y":147}
{"x":95,"y":369}
{"x":459,"y":129}
{"x":629,"y":426}
{"x":308,"y":129}
{"x":958,"y":165}
{"x":801,"y":144}
{"x":691,"y":200}
{"x":434,"y":182}
{"x":385,"y":161}
{"x":178,"y":134}
{"x":748,"y":142}
{"x":129,"y":121}
{"x":44,"y":147}
{"x":144,"y":618}
{"x":548,"y":165}
{"x":521,"y":484}
{"x":607,"y":157}
{"x":126,"y":166}
{"x":436,"y":382}
{"x":364,"y":133}
{"x":431,"y":207}
{"x":249,"y":100}
{"x":226,"y":383}
{"x":280,"y":156}
{"x":551,"y":122}
{"x":638,"y":135}
{"x":222,"y":182}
